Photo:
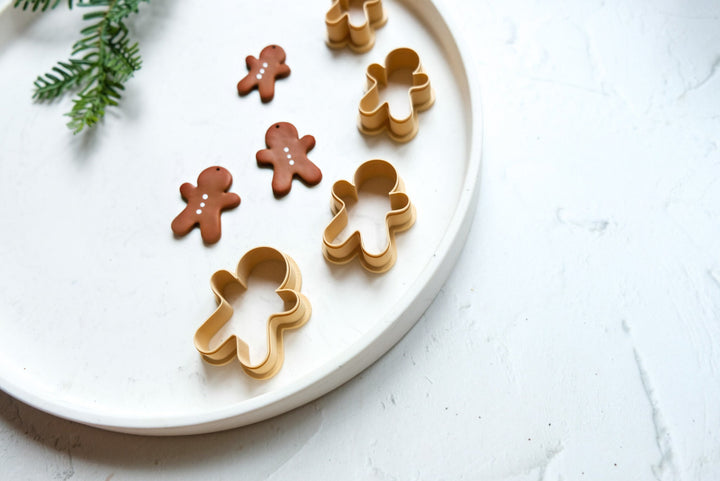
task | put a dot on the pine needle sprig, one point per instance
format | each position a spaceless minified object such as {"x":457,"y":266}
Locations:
{"x":101,"y":61}
{"x":42,"y":5}
{"x":68,"y":76}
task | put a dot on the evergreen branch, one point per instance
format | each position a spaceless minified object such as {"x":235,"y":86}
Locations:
{"x":100,"y":63}
{"x":39,"y":4}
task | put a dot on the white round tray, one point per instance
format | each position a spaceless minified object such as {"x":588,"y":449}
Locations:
{"x":100,"y":302}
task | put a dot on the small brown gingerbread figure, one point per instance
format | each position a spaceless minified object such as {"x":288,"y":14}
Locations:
{"x":263,"y":71}
{"x":287,"y":155}
{"x":205,"y":203}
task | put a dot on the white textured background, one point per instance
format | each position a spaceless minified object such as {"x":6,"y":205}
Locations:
{"x":579,"y":336}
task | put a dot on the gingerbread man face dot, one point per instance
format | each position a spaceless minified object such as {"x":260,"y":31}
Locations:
{"x":205,"y":204}
{"x":287,"y":155}
{"x":263,"y":71}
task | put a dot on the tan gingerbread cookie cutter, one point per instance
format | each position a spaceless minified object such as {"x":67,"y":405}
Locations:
{"x":341,"y":32}
{"x":400,"y":218}
{"x":295,"y":316}
{"x":374,"y":116}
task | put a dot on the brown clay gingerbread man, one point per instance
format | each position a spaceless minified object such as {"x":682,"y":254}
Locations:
{"x":263,"y":72}
{"x":287,"y":155}
{"x":204,"y":204}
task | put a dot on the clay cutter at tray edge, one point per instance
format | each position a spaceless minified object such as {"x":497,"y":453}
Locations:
{"x":341,"y":32}
{"x":400,"y":218}
{"x":233,"y":346}
{"x":374,"y":117}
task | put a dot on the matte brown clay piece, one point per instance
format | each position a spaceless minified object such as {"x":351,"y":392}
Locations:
{"x":205,"y":203}
{"x":263,"y":72}
{"x":287,"y":155}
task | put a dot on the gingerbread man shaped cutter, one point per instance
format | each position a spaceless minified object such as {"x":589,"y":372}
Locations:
{"x":341,"y":32}
{"x":375,"y":116}
{"x":293,"y":317}
{"x":400,"y":218}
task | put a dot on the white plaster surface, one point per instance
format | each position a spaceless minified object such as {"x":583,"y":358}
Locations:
{"x":577,"y":338}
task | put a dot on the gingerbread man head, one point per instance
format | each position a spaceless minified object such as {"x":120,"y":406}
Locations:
{"x":279,"y":133}
{"x":273,"y":53}
{"x":216,"y":178}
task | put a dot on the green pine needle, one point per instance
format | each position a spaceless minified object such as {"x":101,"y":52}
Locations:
{"x":42,"y":5}
{"x":101,"y":61}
